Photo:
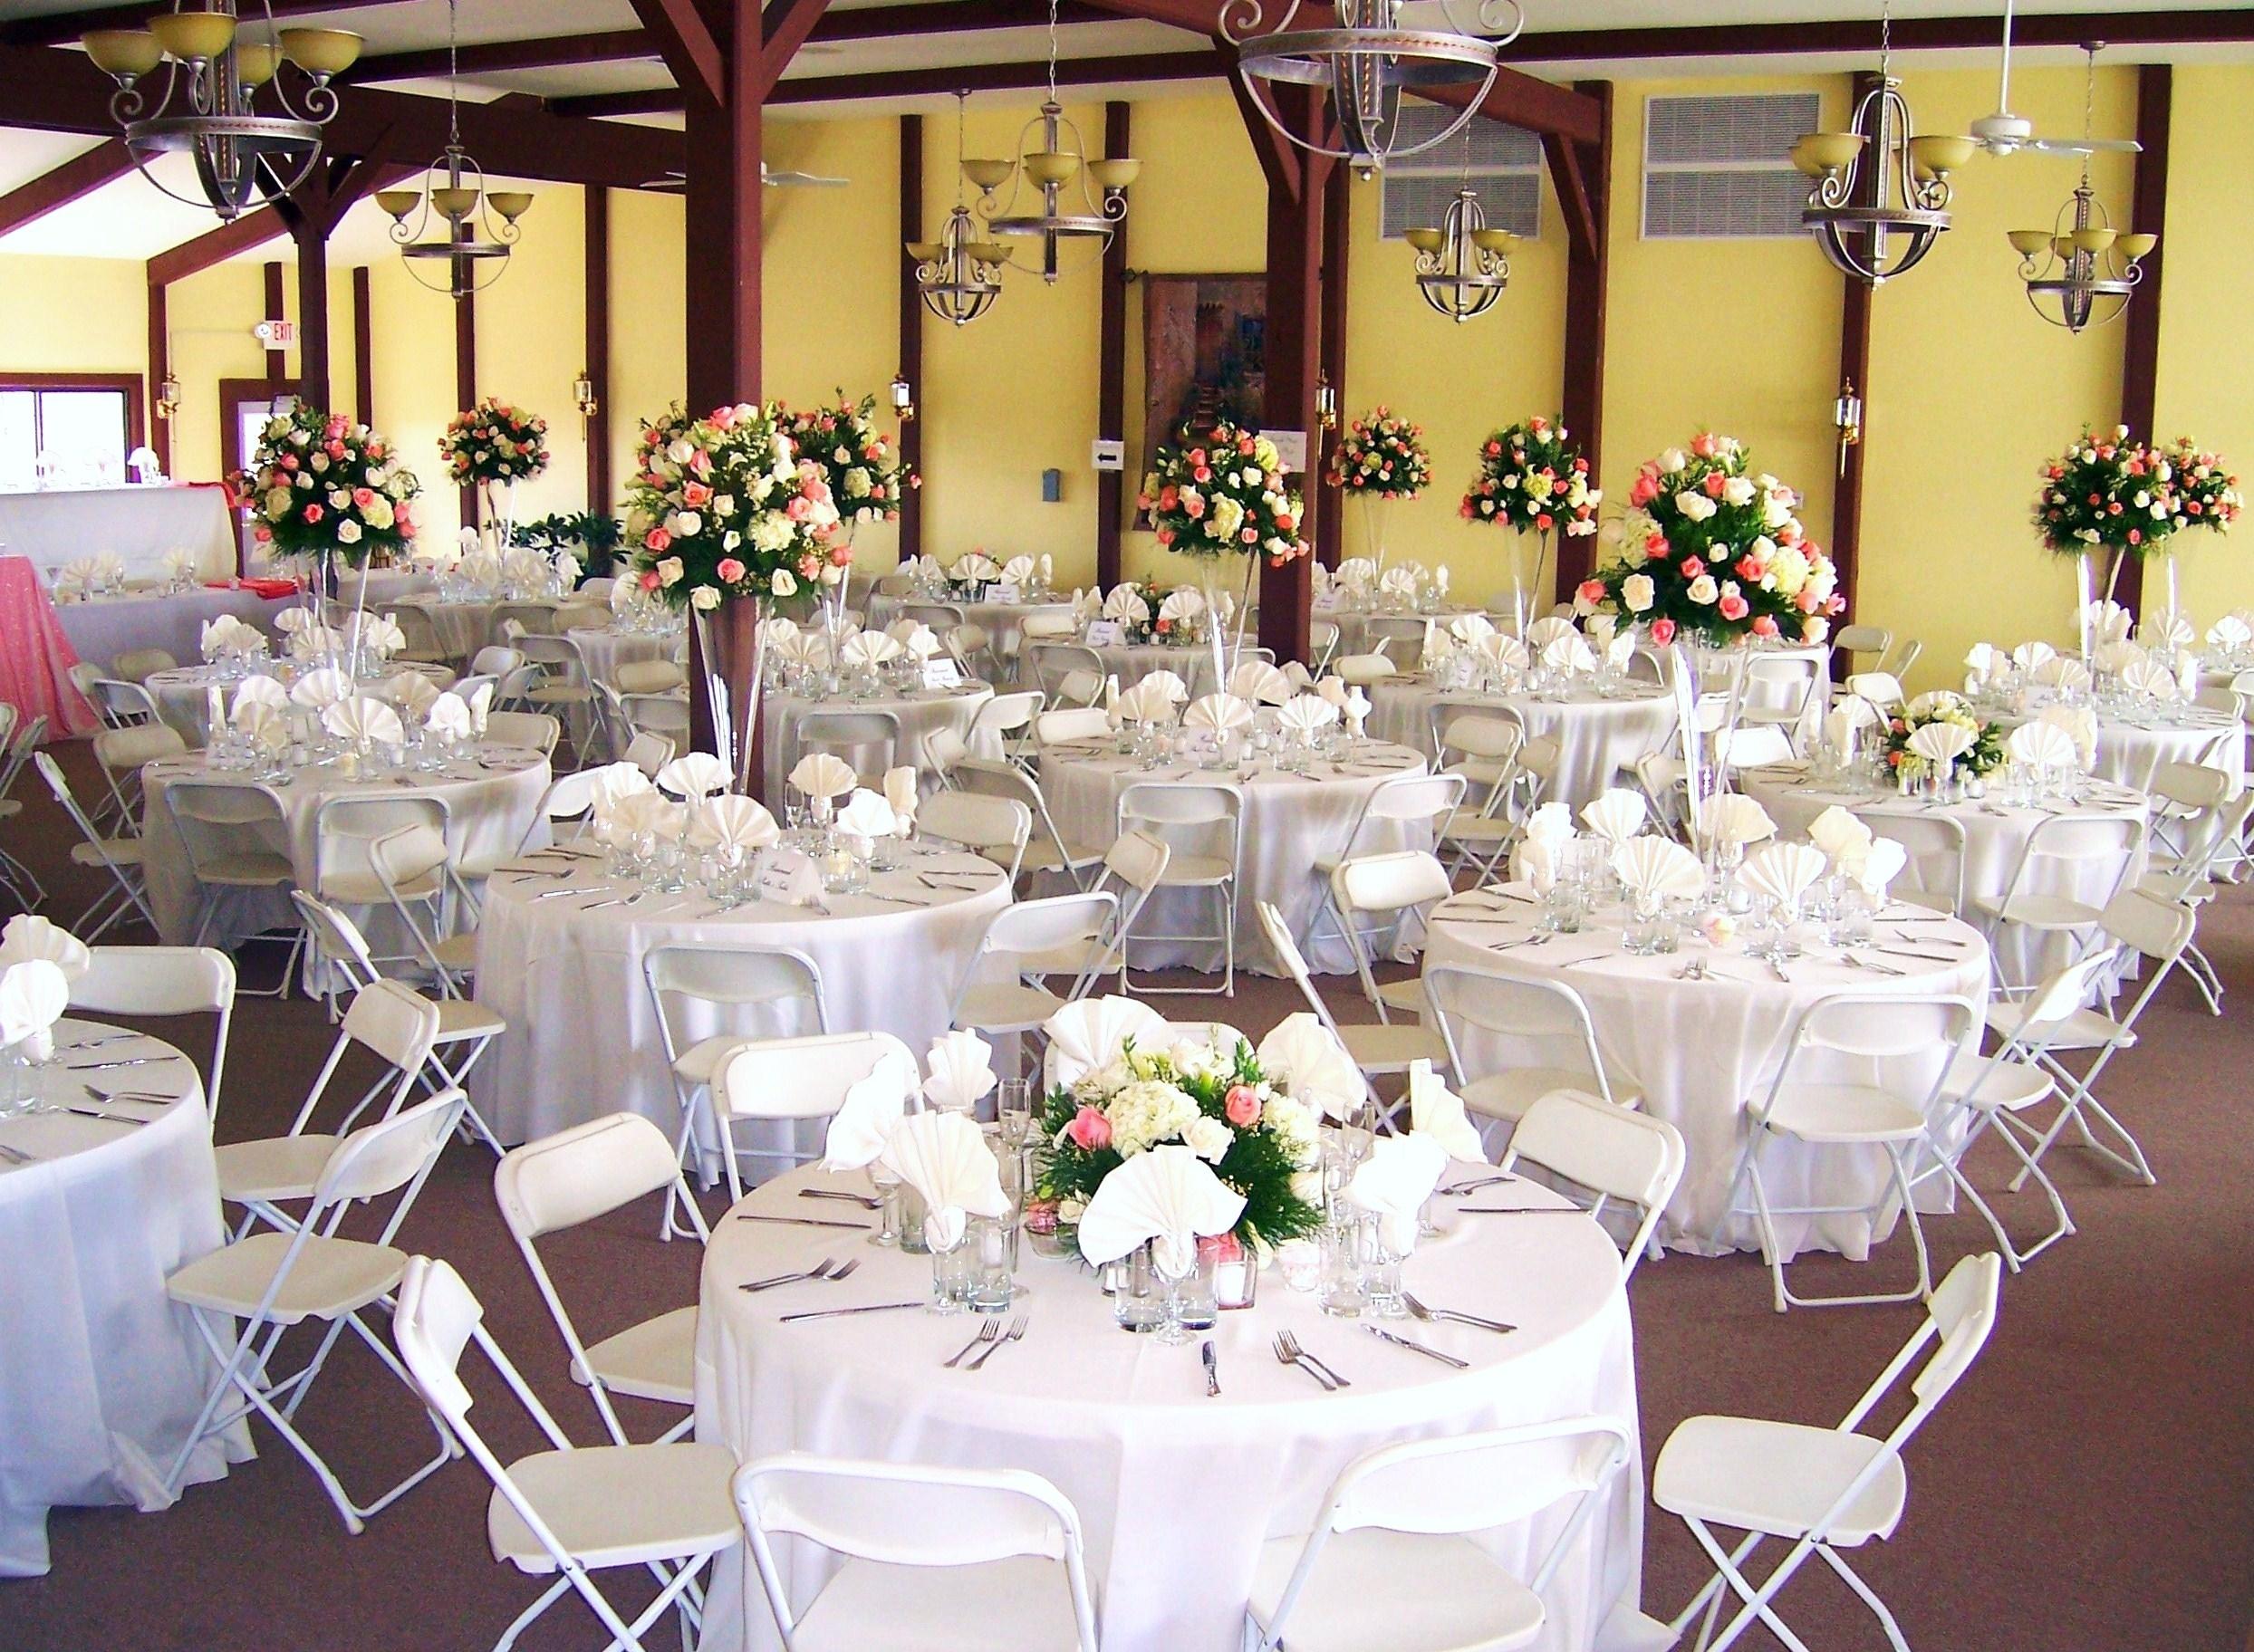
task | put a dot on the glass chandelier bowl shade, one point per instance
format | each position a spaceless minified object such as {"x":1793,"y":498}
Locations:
{"x":453,"y":218}
{"x":245,"y":153}
{"x":1462,"y":266}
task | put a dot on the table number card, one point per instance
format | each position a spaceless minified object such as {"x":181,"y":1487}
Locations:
{"x":1004,"y":593}
{"x":939,"y":672}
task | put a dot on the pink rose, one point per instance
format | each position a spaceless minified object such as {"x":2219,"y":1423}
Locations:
{"x":650,"y":579}
{"x":1749,"y":567}
{"x":1805,"y":601}
{"x":1663,"y":632}
{"x":1591,"y":591}
{"x":363,"y":497}
{"x":799,"y":508}
{"x":1765,"y":626}
{"x":657,"y":539}
{"x":1737,"y":608}
{"x":1241,"y":1106}
{"x":1692,"y":567}
{"x":313,"y":514}
{"x":1642,"y":491}
{"x":730,"y":570}
{"x":1090,"y":1130}
{"x":1714,"y":484}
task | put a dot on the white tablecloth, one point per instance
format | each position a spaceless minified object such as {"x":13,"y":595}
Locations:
{"x":465,"y":626}
{"x":1358,"y":635}
{"x":1131,"y":662}
{"x":604,"y":651}
{"x":183,"y":695}
{"x":489,"y":807}
{"x":1176,"y":1493}
{"x":2131,"y":751}
{"x":1289,"y":820}
{"x":999,"y":620}
{"x":382,"y":585}
{"x":107,"y":627}
{"x":1597,"y":737}
{"x":920,"y":714}
{"x":1700,"y":1049}
{"x":583,"y":1035}
{"x":100,"y":1376}
{"x":139,"y":524}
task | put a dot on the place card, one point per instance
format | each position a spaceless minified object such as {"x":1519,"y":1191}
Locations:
{"x":941,"y":673}
{"x":790,"y":878}
{"x":1105,"y":634}
{"x":1004,"y":593}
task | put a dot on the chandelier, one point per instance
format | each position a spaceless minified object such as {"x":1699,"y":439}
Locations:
{"x":1061,"y":159}
{"x":2081,"y":269}
{"x":454,"y":190}
{"x":1364,"y":64}
{"x":959,"y":276}
{"x":1881,"y":196}
{"x":245,"y":156}
{"x":1463,"y":266}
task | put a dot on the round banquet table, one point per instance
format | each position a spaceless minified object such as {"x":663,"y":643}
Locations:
{"x":606,"y":650}
{"x":2131,"y":748}
{"x":491,"y":797}
{"x":376,"y":586}
{"x":999,"y":620}
{"x":100,"y":1375}
{"x":102,"y":627}
{"x":1131,"y":662}
{"x":1176,"y":1493}
{"x":1354,"y":629}
{"x":1995,"y":838}
{"x":183,"y":694}
{"x":1598,"y":735}
{"x":921,"y":711}
{"x":567,"y":973}
{"x":1699,"y":1048}
{"x":1289,"y":821}
{"x":466,"y":625}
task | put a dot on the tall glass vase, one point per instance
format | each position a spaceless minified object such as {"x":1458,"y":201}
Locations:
{"x":2085,"y":604}
{"x":497,"y":501}
{"x":728,"y":647}
{"x":1373,"y":516}
{"x":1529,"y":567}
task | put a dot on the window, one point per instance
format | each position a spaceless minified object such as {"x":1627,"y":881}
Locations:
{"x":67,"y":429}
{"x":1720,"y":168}
{"x":1505,"y":173}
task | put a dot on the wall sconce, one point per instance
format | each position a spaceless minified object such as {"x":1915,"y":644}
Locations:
{"x":584,"y":395}
{"x":1847,"y":415}
{"x":1325,"y":402}
{"x":903,"y":399}
{"x":169,"y":398}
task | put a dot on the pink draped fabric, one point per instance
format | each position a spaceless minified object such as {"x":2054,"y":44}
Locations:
{"x":36,"y":656}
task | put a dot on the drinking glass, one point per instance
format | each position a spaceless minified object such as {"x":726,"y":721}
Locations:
{"x":992,"y":1245}
{"x":1381,"y":1274}
{"x":1236,"y":1271}
{"x":1013,"y":1109}
{"x":888,"y":1186}
{"x":1139,"y":1304}
{"x":1192,"y":1301}
{"x":1562,"y":909}
{"x":952,"y":1270}
{"x":1343,"y":1293}
{"x":1649,"y":930}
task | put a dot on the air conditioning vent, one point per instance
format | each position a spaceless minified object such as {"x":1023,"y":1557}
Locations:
{"x":1506,"y":174}
{"x":1720,"y":168}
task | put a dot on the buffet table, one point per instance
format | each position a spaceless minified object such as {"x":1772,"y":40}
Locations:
{"x":139,"y":525}
{"x":106,"y":627}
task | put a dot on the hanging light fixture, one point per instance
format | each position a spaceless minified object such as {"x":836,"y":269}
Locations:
{"x":245,"y":156}
{"x":1881,"y":196}
{"x":1462,"y":266}
{"x":959,"y":276}
{"x":1062,"y":160}
{"x":1365,"y":63}
{"x":454,"y":191}
{"x":2081,"y":270}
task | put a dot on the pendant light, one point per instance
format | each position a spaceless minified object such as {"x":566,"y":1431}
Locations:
{"x":959,"y":275}
{"x":2081,"y":270}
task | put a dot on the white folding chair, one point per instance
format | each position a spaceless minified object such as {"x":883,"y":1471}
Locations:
{"x":345,"y":830}
{"x":164,"y":981}
{"x":1018,"y":941}
{"x":1389,"y":889}
{"x":1900,"y":656}
{"x":1614,"y":1154}
{"x":1130,"y":870}
{"x":1379,"y":1048}
{"x":2200,"y":822}
{"x":1539,"y":1033}
{"x":414,"y":868}
{"x":2059,"y":846}
{"x":790,"y":1082}
{"x":1853,"y":640}
{"x":568,"y":1179}
{"x":1491,"y":753}
{"x":1821,"y":1490}
{"x":1404,"y":802}
{"x":229,"y":829}
{"x":650,"y":751}
{"x":139,"y":665}
{"x":1855,"y":1099}
{"x":933,"y":1556}
{"x":1391,"y":1563}
{"x":1363,"y":671}
{"x":120,"y":857}
{"x":1053,"y":662}
{"x":421,"y":633}
{"x":995,"y":827}
{"x":531,"y":731}
{"x":1067,"y":725}
{"x":1934,"y":845}
{"x":271,"y":1281}
{"x":496,"y":660}
{"x":389,"y":1020}
{"x":1008,"y":719}
{"x":122,"y":752}
{"x":1790,"y":681}
{"x":1188,"y":819}
{"x":778,"y":989}
{"x":664,"y":1508}
{"x":1047,"y":849}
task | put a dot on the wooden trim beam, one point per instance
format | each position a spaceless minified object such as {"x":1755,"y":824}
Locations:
{"x":79,"y":176}
{"x":1330,"y":509}
{"x":2140,"y":348}
{"x":363,"y":346}
{"x":2119,"y":27}
{"x":277,"y":360}
{"x":912,"y":331}
{"x":1111,"y":396}
{"x":159,"y":367}
{"x":685,"y":39}
{"x":505,"y":56}
{"x":598,"y":350}
{"x":466,"y":383}
{"x":784,"y":27}
{"x":1582,"y":173}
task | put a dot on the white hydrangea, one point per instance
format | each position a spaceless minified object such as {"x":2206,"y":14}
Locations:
{"x":1146,"y":1113}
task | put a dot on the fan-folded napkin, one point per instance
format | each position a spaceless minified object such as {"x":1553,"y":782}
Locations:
{"x":1220,"y":712}
{"x":961,"y":1065}
{"x":1616,"y":816}
{"x":1437,"y":1112}
{"x":732,"y":826}
{"x":694,"y":775}
{"x":1941,"y":744}
{"x":364,"y":718}
{"x":1657,"y":868}
{"x":29,"y":935}
{"x":1784,"y":871}
{"x":1306,"y":1059}
{"x":865,"y":814}
{"x":1306,"y":714}
{"x":34,"y":994}
{"x":2042,"y":745}
{"x":1169,"y":1195}
{"x":822,"y":774}
{"x":1731,"y":817}
{"x":943,"y":1156}
{"x":1394,"y":1183}
{"x":1091,"y":1034}
{"x":869,"y":648}
{"x":448,"y":715}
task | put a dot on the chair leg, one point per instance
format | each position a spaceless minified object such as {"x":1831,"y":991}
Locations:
{"x":1824,"y":1552}
{"x":1756,"y":1600}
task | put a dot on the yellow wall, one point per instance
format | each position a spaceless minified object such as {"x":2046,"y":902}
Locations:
{"x":649,"y":326}
{"x":105,"y":298}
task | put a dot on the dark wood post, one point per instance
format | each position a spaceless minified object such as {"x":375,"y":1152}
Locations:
{"x":1111,"y":401}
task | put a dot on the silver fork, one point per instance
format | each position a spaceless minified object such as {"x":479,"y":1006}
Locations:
{"x":1449,"y":1315}
{"x":820,"y":1270}
{"x":1016,"y":1333}
{"x":1287,"y":1353}
{"x":1305,"y":1358}
{"x":1852,"y":962}
{"x":987,"y":1333}
{"x":867,"y":1201}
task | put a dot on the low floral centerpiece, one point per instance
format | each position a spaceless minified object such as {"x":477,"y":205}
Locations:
{"x":1714,"y":552}
{"x":1960,"y":740}
{"x":321,"y":485}
{"x":1379,"y":459}
{"x":1219,"y":1104}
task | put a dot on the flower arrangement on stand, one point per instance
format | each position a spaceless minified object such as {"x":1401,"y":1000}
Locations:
{"x":1714,"y":554}
{"x":862,"y":468}
{"x":2206,"y":497}
{"x":1379,"y":459}
{"x":723,"y":515}
{"x":1222,"y":1106}
{"x":1532,"y":479}
{"x":495,"y":445}
{"x":1220,"y":495}
{"x":1981,"y":746}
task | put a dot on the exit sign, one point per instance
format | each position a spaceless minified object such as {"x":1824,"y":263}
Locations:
{"x":275,"y":334}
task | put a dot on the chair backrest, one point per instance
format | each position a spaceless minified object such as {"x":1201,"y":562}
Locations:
{"x":1137,"y":860}
{"x":2160,"y":929}
{"x":1615,"y":1153}
{"x":1872,"y":1037}
{"x":495,"y":660}
{"x":1387,"y":883}
{"x":535,"y":619}
{"x":394,"y":1021}
{"x":1053,"y":660}
{"x":1072,"y":723}
{"x":579,"y":1173}
{"x":801,"y":1078}
{"x":650,"y":677}
{"x":2195,"y":785}
{"x":215,"y":816}
{"x":1959,"y":1318}
{"x":1478,"y":734}
{"x":994,"y":826}
{"x":1051,"y":924}
{"x":1159,"y":803}
{"x":59,"y":786}
{"x":1755,"y":748}
{"x":648,"y":751}
{"x":1534,"y":1012}
{"x":559,"y":655}
{"x":844,"y":732}
{"x":2087,"y":839}
{"x":1934,"y":845}
{"x":659,"y":713}
{"x":1049,"y":626}
{"x":1900,"y":657}
{"x":732,"y":975}
{"x":1414,"y":798}
{"x":2046,"y":1011}
{"x":907,"y":1514}
{"x":532,"y":731}
{"x":1361,"y":670}
{"x":1287,"y":954}
{"x":1005,"y":714}
{"x":139,"y":665}
{"x":1872,"y":640}
{"x":415,"y":625}
{"x":385,"y":1156}
{"x":337,"y":939}
{"x":1881,"y":688}
{"x":406,"y":857}
{"x":990,"y":777}
{"x":123,"y":750}
{"x":347,"y":827}
{"x":582,"y":616}
{"x":163,"y":981}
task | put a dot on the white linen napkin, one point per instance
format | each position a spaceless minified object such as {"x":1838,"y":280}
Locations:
{"x":1394,"y":1183}
{"x":2030,"y":654}
{"x":380,"y":634}
{"x":29,"y":935}
{"x":413,"y":692}
{"x":2042,"y":745}
{"x":1357,"y":570}
{"x":865,"y":814}
{"x":1471,"y":628}
{"x":1088,"y":604}
{"x":1399,"y":581}
{"x":1616,"y":816}
{"x":2110,"y":621}
{"x":869,"y":648}
{"x":34,"y":994}
{"x":733,"y":825}
{"x":322,"y":688}
{"x":1549,"y":630}
{"x":1941,"y":744}
{"x":292,"y":620}
{"x":1146,"y":701}
{"x":261,"y":691}
{"x":481,"y":707}
{"x":1731,"y":817}
{"x":1258,"y":681}
{"x":1168,"y":684}
{"x":1222,"y":712}
{"x":1656,"y":869}
{"x":1569,"y":653}
{"x":262,"y":723}
{"x":1784,"y":871}
{"x":1881,"y":864}
{"x":920,"y":639}
{"x":904,"y":793}
{"x":943,"y":1156}
{"x":1168,"y":1194}
{"x":1180,"y":605}
{"x":2149,"y":676}
{"x":822,"y":774}
{"x":1017,"y":571}
{"x":2229,"y":632}
{"x":1126,"y":605}
{"x":1504,"y":652}
{"x":961,"y":1065}
{"x":975,"y":569}
{"x":1984,"y":661}
{"x":363,"y":717}
{"x":1091,"y":1034}
{"x":1305,"y":1058}
{"x":1437,"y":1113}
{"x":1843,"y":837}
{"x":1043,"y":568}
{"x":448,"y":715}
{"x":693,"y":776}
{"x":1306,"y":714}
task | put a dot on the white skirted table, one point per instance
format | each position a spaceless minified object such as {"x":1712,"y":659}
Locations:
{"x":103,"y":628}
{"x":1995,"y":838}
{"x":1131,"y":662}
{"x":1700,"y":1049}
{"x":100,"y":1376}
{"x":466,"y":625}
{"x":491,"y":794}
{"x":918,"y":712}
{"x":2132,"y":748}
{"x":565,"y":971}
{"x":1356,"y":635}
{"x":604,"y":651}
{"x":140,"y":526}
{"x":183,"y":694}
{"x":1599,"y":735}
{"x":1175,"y":1492}
{"x":1290,"y":820}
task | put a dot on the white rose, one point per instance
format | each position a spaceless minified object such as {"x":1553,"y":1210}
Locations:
{"x":1695,"y":506}
{"x":379,"y":515}
{"x":348,"y":531}
{"x":785,"y":583}
{"x":1638,"y":592}
{"x":1703,"y":588}
{"x":705,"y":598}
{"x":1210,"y":1138}
{"x":840,"y":453}
{"x":278,"y":502}
{"x":681,"y":450}
{"x":684,"y":524}
{"x":670,"y":572}
{"x":724,"y":505}
{"x":1672,"y":460}
{"x":1226,"y":518}
{"x":1776,"y":509}
{"x":856,"y":483}
{"x":1738,"y":490}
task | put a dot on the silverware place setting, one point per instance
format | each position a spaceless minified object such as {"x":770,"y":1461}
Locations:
{"x":1418,"y":1348}
{"x":1016,"y":1333}
{"x":746,"y":1216}
{"x":1289,"y":1352}
{"x":16,"y":1156}
{"x":1451,"y":1316}
{"x":867,"y":1201}
{"x":1212,"y":1363}
{"x":839,"y":1313}
{"x":829,"y":1270}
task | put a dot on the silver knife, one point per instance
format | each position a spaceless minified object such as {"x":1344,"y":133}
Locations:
{"x":128,"y":1061}
{"x":1212,"y":1369}
{"x":1429,"y":1353}
{"x":834,"y":1313}
{"x":859,"y":1228}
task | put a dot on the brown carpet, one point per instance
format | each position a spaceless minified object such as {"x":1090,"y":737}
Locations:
{"x":2086,"y":1488}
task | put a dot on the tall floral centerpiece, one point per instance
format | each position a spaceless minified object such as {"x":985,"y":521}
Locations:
{"x":723,"y":515}
{"x":1532,"y":480}
{"x":861,"y":466}
{"x":1379,"y":459}
{"x":2206,"y":497}
{"x":2109,"y":496}
{"x":325,"y":489}
{"x":1224,"y":494}
{"x":495,"y":445}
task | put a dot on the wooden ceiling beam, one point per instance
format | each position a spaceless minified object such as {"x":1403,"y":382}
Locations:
{"x":501,"y":56}
{"x":59,"y":186}
{"x":2117,"y":28}
{"x":693,"y":53}
{"x":63,"y":28}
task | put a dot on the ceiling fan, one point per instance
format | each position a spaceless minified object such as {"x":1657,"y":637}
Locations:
{"x":675,"y":183}
{"x":2005,"y":133}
